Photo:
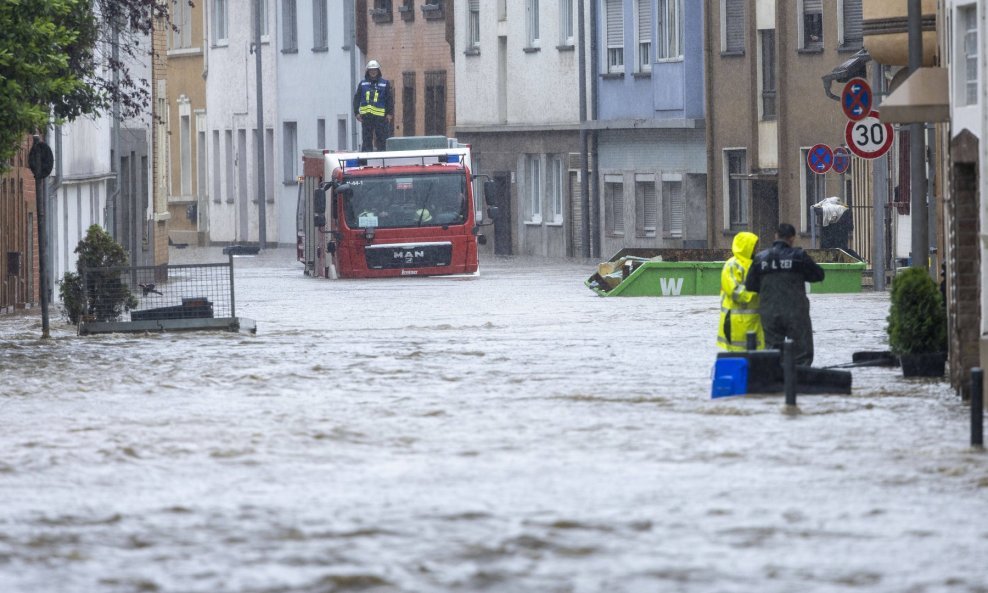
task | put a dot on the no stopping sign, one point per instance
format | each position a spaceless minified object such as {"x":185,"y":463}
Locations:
{"x":869,"y":138}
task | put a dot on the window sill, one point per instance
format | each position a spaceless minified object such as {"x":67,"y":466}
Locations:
{"x":531,"y":49}
{"x":639,"y":75}
{"x":533,"y":223}
{"x":810,"y":50}
{"x":290,"y":50}
{"x":736,"y":53}
{"x":320,"y":49}
{"x":557,"y":224}
{"x":666,"y":235}
{"x":615,"y":234}
{"x":433,"y":12}
{"x":472,"y":51}
{"x":289,"y":182}
{"x":180,"y":52}
{"x":612,"y":75}
{"x":407,"y":13}
{"x":221,"y":43}
{"x":566,"y":47}
{"x":379,"y":15}
{"x":847,"y":49}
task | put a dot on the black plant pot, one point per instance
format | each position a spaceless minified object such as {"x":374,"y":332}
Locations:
{"x":925,"y":364}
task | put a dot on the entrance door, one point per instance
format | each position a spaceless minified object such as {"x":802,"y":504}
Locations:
{"x":765,"y":211}
{"x":502,"y":219}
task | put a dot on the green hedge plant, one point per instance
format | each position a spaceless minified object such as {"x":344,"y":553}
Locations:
{"x":917,"y":321}
{"x":105,"y":296}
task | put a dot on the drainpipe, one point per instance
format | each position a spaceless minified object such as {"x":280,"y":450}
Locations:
{"x":351,"y":20}
{"x":262,"y":233}
{"x":584,"y":157}
{"x":595,"y":186}
{"x":917,"y":150}
{"x":709,"y":123}
{"x":112,"y":222}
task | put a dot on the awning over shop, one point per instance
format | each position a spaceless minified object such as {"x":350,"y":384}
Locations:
{"x":921,"y":98}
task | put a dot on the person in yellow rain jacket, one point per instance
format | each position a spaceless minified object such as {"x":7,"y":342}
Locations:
{"x":738,"y":306}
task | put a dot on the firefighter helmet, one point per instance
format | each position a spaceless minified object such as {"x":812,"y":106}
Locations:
{"x":373,"y":65}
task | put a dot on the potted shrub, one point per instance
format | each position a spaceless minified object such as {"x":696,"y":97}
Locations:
{"x":103,"y":296}
{"x":917,"y":326}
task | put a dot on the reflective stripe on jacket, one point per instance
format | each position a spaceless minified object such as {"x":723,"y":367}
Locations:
{"x":738,"y":305}
{"x":373,"y":97}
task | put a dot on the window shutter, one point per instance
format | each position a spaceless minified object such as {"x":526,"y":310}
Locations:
{"x":675,"y":190}
{"x":734,"y":19}
{"x":474,"y":5}
{"x":615,"y":23}
{"x":853,"y":22}
{"x":812,"y":6}
{"x":644,"y":20}
{"x":650,"y":206}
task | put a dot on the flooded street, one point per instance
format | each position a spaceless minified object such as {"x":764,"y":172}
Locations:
{"x":508,"y":433}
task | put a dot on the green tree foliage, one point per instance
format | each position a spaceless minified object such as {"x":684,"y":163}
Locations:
{"x":917,"y":318}
{"x":56,"y":60}
{"x":103,"y":296}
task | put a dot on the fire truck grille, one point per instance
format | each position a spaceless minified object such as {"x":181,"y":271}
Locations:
{"x":412,"y":255}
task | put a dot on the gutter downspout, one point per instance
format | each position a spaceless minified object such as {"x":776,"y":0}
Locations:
{"x":595,"y":187}
{"x":351,"y":24}
{"x":917,"y":151}
{"x":584,"y":157}
{"x":709,"y":124}
{"x":112,"y":222}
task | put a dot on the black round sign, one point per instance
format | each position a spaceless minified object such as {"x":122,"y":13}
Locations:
{"x":40,"y":160}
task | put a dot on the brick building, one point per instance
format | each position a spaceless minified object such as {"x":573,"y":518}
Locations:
{"x":18,"y":235}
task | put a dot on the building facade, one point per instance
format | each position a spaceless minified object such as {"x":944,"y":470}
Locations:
{"x":767,"y":108}
{"x":517,"y":71}
{"x":649,"y":125}
{"x":18,"y":234}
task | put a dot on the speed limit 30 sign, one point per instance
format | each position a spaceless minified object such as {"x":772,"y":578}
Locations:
{"x":869,"y":138}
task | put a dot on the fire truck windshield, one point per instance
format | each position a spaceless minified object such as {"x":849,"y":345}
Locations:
{"x":406,"y":201}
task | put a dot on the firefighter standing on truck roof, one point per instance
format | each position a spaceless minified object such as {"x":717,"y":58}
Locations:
{"x":374,"y":105}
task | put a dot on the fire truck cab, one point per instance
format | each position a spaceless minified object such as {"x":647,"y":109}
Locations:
{"x":408,"y":211}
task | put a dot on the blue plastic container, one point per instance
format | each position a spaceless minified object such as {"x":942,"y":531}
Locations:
{"x":730,"y":377}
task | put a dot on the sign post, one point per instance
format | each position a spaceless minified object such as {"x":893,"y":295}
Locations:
{"x":41,"y":161}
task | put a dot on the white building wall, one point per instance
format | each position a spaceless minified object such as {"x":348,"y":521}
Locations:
{"x":312,"y":85}
{"x":231,"y":97}
{"x":540,"y":83}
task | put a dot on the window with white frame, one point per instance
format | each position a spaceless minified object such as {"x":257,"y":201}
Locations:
{"x":814,"y":191}
{"x":320,"y":26}
{"x":532,"y":22}
{"x":669,"y":32}
{"x":243,"y":166}
{"x":673,"y":206}
{"x":646,"y":205}
{"x":320,"y":133}
{"x":643,"y":35}
{"x":290,"y":149}
{"x":555,"y":185}
{"x":231,"y":157}
{"x":220,"y":31}
{"x":967,"y":68}
{"x":185,"y":144}
{"x":767,"y":78}
{"x":473,"y":25}
{"x":614,"y":204}
{"x":502,"y":10}
{"x":217,"y":170}
{"x":736,"y":188}
{"x":269,"y":164}
{"x":264,"y":19}
{"x":851,"y":24}
{"x":614,"y":15}
{"x":810,"y":24}
{"x":289,"y":26}
{"x":201,"y":161}
{"x":180,"y":36}
{"x":732,"y":26}
{"x":566,"y":25}
{"x":533,"y":180}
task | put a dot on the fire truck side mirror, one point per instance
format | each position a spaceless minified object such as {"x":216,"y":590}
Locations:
{"x":319,"y":201}
{"x":490,"y":192}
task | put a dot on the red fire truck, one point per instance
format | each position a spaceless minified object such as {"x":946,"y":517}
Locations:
{"x":409,"y":211}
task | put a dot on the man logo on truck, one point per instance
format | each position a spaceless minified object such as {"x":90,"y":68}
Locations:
{"x":408,"y":256}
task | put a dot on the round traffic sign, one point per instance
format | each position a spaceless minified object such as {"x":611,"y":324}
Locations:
{"x":856,"y":99}
{"x":842,"y":160}
{"x":869,"y":138}
{"x":820,"y":158}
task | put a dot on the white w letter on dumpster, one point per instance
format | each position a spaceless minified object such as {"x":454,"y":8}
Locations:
{"x":671,"y":286}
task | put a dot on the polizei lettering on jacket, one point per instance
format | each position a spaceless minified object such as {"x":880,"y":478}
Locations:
{"x":777,"y":264}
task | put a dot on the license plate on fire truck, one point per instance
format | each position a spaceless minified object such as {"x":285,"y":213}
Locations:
{"x":408,"y":255}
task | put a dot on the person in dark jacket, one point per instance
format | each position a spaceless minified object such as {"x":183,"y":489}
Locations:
{"x":374,"y":105}
{"x":778,"y":274}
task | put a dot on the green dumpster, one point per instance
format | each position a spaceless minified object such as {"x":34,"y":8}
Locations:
{"x":682,"y":272}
